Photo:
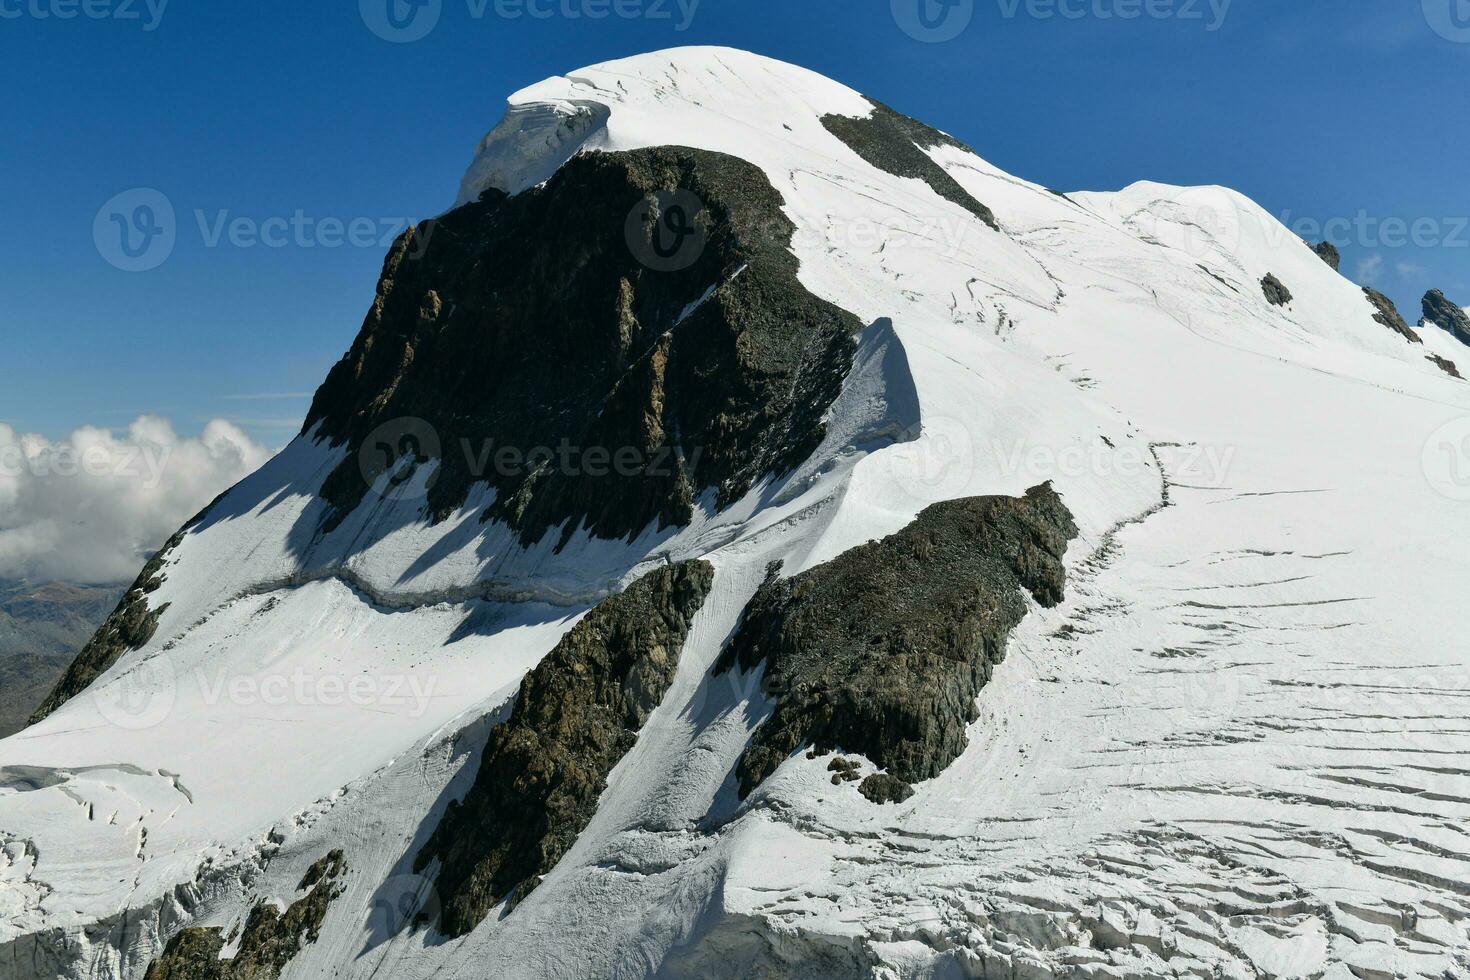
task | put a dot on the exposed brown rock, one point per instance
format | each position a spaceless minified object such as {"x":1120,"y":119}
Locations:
{"x":552,"y":318}
{"x":882,"y":650}
{"x":895,"y":144}
{"x":1446,"y":365}
{"x":1328,"y":253}
{"x":270,"y":940}
{"x":1276,"y":292}
{"x":1387,"y":314}
{"x":1447,"y":315}
{"x":881,"y":788}
{"x":578,"y":713}
{"x":129,"y":627}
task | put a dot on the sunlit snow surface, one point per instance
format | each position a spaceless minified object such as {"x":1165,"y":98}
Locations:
{"x":1239,"y":749}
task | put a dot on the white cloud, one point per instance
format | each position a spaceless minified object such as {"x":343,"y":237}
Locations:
{"x":1408,"y":270}
{"x":91,"y":507}
{"x":1370,"y":269}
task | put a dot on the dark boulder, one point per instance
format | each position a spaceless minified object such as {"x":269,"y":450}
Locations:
{"x":1276,"y":292}
{"x":1447,"y":315}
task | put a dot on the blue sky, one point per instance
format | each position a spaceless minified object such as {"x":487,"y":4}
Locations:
{"x":1319,"y":109}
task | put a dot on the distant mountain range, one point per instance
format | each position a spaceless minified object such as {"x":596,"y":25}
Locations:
{"x":41,"y":629}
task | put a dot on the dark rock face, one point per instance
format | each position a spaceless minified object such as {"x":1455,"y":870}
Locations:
{"x":645,"y":303}
{"x":578,"y":713}
{"x":894,"y":143}
{"x":1328,"y":253}
{"x":1446,"y":365}
{"x":1439,"y":310}
{"x":270,"y":940}
{"x":42,"y":626}
{"x":129,"y":627}
{"x":1387,"y":314}
{"x":1276,"y":292}
{"x":882,"y":651}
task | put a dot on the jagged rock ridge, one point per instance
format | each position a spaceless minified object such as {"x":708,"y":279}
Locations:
{"x":1386,"y":313}
{"x":1328,"y":253}
{"x":578,"y":712}
{"x":270,"y":938}
{"x":1439,"y":310}
{"x":896,"y":143}
{"x":537,"y":321}
{"x":882,"y":650}
{"x":131,"y":625}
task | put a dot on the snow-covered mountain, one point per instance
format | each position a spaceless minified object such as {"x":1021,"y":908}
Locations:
{"x":995,"y":582}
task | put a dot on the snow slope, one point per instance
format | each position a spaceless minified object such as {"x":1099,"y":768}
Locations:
{"x":1237,"y":750}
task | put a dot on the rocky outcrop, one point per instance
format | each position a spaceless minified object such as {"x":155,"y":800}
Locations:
{"x":131,"y":625}
{"x":895,"y":144}
{"x":1386,"y":313}
{"x":638,"y":317}
{"x":882,"y":651}
{"x":578,"y":713}
{"x":882,"y":787}
{"x":1440,"y":311}
{"x":1446,"y":365}
{"x":1328,"y":253}
{"x":270,"y":939}
{"x":1276,"y":292}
